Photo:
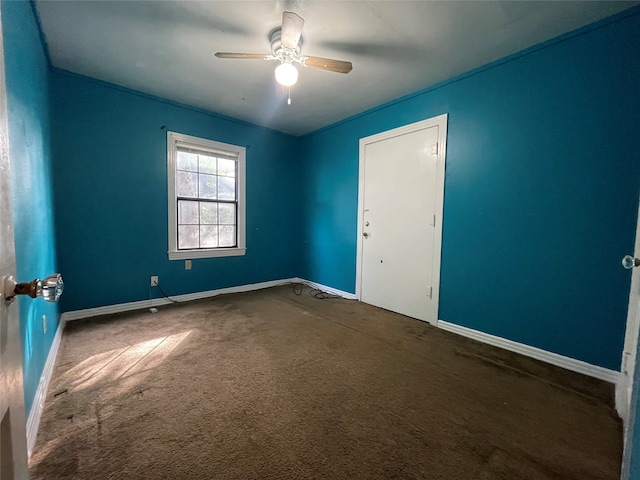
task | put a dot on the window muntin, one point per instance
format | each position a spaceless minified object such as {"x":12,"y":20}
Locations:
{"x":207,"y":199}
{"x":206,"y":186}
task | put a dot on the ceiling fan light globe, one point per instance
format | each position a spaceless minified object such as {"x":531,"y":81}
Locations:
{"x":286,"y":74}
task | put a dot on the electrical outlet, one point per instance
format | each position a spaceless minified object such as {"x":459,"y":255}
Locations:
{"x":187,"y":264}
{"x":44,"y":324}
{"x":154,"y":280}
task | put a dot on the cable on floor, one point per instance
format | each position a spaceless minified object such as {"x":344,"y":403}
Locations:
{"x":314,"y":292}
{"x":165,"y":295}
{"x":320,"y":295}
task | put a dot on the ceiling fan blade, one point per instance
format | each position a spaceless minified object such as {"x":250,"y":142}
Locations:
{"x":291,"y":30}
{"x":247,"y":56}
{"x":338,"y":66}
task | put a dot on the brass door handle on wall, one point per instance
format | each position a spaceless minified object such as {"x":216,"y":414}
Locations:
{"x":629,"y":262}
{"x":49,"y":289}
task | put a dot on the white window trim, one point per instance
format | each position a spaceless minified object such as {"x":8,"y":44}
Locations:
{"x":173,"y":139}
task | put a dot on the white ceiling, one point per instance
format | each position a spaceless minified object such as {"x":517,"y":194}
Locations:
{"x":166,"y":48}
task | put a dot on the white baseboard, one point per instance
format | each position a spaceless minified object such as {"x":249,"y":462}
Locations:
{"x":611,"y":376}
{"x":324,"y":288}
{"x":33,"y":422}
{"x":154,"y":302}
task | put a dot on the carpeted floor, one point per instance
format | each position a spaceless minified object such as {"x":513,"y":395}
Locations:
{"x":270,"y":385}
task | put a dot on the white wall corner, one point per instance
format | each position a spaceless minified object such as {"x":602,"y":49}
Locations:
{"x":33,"y":421}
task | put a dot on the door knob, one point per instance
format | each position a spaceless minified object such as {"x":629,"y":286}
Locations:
{"x":49,"y":289}
{"x":629,"y":262}
{"x":365,"y":234}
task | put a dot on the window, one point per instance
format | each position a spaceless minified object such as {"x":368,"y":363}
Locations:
{"x":206,"y":181}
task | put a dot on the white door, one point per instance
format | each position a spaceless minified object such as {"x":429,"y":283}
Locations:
{"x":624,"y":388}
{"x":400,"y":218}
{"x":13,"y":440}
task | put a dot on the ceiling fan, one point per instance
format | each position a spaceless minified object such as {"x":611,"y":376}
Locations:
{"x":286,"y":43}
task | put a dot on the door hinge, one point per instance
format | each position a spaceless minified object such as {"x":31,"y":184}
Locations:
{"x":430,"y":292}
{"x":434,"y":149}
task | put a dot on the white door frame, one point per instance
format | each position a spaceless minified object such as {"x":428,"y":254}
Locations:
{"x":441,"y":122}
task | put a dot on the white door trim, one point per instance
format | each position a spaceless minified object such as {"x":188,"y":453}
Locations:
{"x":441,"y":122}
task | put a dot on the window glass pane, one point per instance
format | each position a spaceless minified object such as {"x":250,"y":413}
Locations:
{"x":187,"y":184}
{"x":226,"y":188}
{"x":209,"y":236}
{"x":187,"y":212}
{"x":227,"y":213}
{"x":187,"y":161}
{"x":207,"y":186}
{"x":227,"y":236}
{"x":208,"y":213}
{"x":188,"y":236}
{"x":207,"y":164}
{"x":226,"y":167}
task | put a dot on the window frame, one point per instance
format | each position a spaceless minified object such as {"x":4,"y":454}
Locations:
{"x":173,"y":139}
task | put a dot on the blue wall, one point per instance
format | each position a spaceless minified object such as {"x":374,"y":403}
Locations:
{"x":539,"y":202}
{"x":541,"y":192}
{"x":29,"y":133}
{"x":110,"y":183}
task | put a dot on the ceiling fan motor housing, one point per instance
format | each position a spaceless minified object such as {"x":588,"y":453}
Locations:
{"x":281,"y":52}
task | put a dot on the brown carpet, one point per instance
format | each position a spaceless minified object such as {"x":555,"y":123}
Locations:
{"x":270,"y":385}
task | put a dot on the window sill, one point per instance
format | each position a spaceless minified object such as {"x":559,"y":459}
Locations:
{"x":217,"y":252}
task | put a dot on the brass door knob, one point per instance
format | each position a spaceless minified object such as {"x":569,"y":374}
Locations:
{"x":49,"y":289}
